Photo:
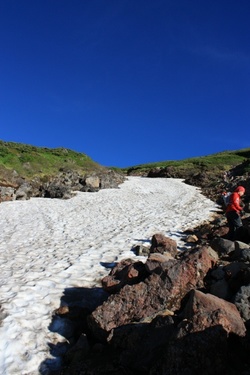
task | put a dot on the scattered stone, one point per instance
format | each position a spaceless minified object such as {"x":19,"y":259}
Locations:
{"x":7,"y":193}
{"x":61,"y":186}
{"x":162,"y":244}
{"x":192,"y":239}
{"x":141,"y":250}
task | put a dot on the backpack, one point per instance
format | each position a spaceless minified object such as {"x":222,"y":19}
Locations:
{"x":226,"y":197}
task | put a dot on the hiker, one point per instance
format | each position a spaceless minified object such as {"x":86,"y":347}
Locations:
{"x":234,"y":211}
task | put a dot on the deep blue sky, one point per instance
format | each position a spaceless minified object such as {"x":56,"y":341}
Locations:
{"x":126,"y":81}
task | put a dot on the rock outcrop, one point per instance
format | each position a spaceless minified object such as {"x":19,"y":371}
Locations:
{"x":61,"y":186}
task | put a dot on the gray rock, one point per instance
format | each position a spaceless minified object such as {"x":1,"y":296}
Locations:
{"x":241,"y":301}
{"x":24,"y":191}
{"x":7,"y":194}
{"x":222,"y":246}
{"x":242,"y":251}
{"x":141,"y":250}
{"x":245,"y":255}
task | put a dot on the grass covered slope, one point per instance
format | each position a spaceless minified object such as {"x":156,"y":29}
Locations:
{"x":29,"y":161}
{"x":216,"y":163}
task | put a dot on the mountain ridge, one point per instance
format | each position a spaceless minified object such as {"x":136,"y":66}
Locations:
{"x":30,"y":161}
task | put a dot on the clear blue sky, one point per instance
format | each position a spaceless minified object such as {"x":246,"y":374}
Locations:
{"x":126,"y":81}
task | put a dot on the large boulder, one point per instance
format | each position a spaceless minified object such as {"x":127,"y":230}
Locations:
{"x":201,"y":344}
{"x":206,"y":310}
{"x":158,"y":292}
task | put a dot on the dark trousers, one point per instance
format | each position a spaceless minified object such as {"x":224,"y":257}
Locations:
{"x":234,"y":222}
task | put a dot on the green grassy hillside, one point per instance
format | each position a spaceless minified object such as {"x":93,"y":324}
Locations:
{"x":216,"y":163}
{"x":29,"y":161}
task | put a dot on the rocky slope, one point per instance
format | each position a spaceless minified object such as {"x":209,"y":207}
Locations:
{"x":179,"y":313}
{"x":27,"y":171}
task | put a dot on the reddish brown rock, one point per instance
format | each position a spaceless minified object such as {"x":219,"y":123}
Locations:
{"x":156,"y":293}
{"x":126,"y":272}
{"x":156,"y":262}
{"x":207,"y":310}
{"x":162,"y":244}
{"x":201,"y":344}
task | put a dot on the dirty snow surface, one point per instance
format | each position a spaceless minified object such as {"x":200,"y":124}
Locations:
{"x":48,"y":246}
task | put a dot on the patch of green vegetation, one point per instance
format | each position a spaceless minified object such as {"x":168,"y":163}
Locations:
{"x":30,"y":161}
{"x":218,"y":162}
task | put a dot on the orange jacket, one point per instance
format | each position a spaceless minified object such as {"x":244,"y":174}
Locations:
{"x":234,"y":203}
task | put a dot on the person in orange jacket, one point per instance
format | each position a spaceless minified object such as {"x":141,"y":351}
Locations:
{"x":233,"y":212}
